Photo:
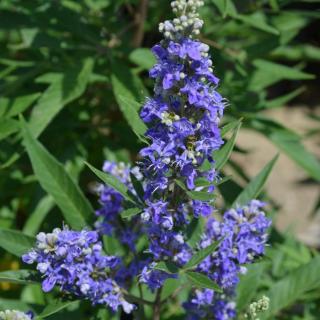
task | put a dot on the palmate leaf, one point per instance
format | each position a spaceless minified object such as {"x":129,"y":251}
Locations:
{"x":201,"y":255}
{"x":15,"y":241}
{"x":286,"y":291}
{"x":199,"y":280}
{"x":56,"y":181}
{"x":255,"y":186}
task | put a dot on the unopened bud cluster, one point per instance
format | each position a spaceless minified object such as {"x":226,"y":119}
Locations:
{"x":255,"y":308}
{"x":187,"y":21}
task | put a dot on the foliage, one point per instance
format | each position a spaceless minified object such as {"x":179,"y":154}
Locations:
{"x":76,"y":71}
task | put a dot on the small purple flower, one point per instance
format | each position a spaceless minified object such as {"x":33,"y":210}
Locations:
{"x":73,"y":261}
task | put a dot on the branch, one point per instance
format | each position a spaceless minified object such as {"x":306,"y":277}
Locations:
{"x":140,"y":18}
{"x":157,"y":305}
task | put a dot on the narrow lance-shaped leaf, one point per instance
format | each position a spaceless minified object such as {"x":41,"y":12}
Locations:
{"x":230,"y":126}
{"x":167,"y":266}
{"x":201,"y":255}
{"x":54,"y":307}
{"x":196,"y":195}
{"x":20,"y":276}
{"x":222,"y":156}
{"x":290,"y":143}
{"x":36,"y":218}
{"x":113,"y":182}
{"x":65,"y":88}
{"x":201,"y":281}
{"x":56,"y":181}
{"x":194,"y":231}
{"x":15,"y":242}
{"x":255,"y":186}
{"x":8,"y":127}
{"x":129,"y":213}
{"x":129,"y":110}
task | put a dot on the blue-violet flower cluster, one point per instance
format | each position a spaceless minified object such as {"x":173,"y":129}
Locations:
{"x":74,"y":262}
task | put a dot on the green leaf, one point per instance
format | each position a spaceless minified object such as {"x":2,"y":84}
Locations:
{"x":129,"y":109}
{"x":137,"y":185}
{"x":296,"y":151}
{"x":230,"y":126}
{"x":283,"y":100}
{"x":253,"y":189}
{"x":127,"y":84}
{"x":226,"y":7}
{"x":8,"y":127}
{"x":19,"y":276}
{"x":54,"y":307}
{"x":221,"y":156}
{"x":15,"y":242}
{"x":143,"y":58}
{"x":113,"y":182}
{"x":289,"y":142}
{"x":201,"y":255}
{"x":201,"y":281}
{"x":13,"y":107}
{"x":257,"y":20}
{"x":129,"y":213}
{"x":9,"y":304}
{"x":196,"y":195}
{"x":67,"y":87}
{"x":56,"y":181}
{"x":36,"y":218}
{"x":195,"y":231}
{"x":167,"y":267}
{"x":248,"y":285}
{"x":268,"y":73}
{"x":291,"y":288}
{"x":169,"y":287}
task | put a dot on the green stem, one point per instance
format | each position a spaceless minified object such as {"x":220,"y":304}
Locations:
{"x":157,"y":305}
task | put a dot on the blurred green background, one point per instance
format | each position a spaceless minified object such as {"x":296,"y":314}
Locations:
{"x":63,"y":63}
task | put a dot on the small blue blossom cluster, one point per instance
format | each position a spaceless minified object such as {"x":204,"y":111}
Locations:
{"x":74,"y":261}
{"x":183,"y":118}
{"x":206,"y":304}
{"x":243,"y":236}
{"x":15,"y":315}
{"x":113,"y":204}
